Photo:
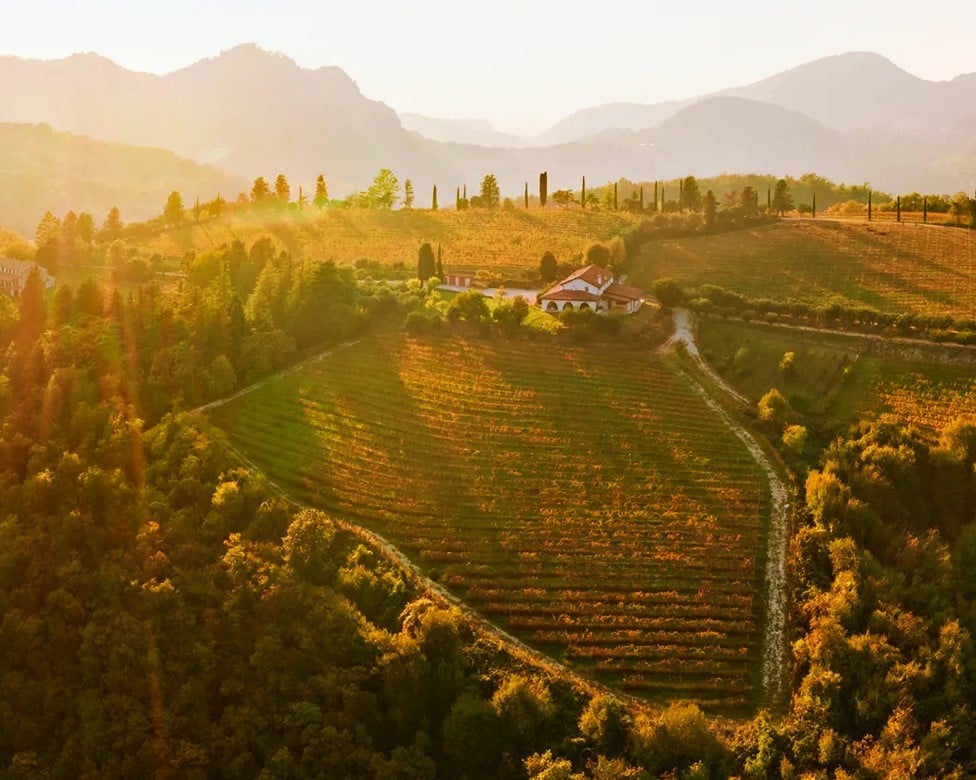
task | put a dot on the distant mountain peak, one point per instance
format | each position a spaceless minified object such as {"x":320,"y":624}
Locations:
{"x":252,"y":52}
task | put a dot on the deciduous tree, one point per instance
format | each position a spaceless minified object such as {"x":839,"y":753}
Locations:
{"x":489,"y":191}
{"x":173,"y":210}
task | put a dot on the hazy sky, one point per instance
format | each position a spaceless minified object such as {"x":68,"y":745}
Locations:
{"x":521,"y":63}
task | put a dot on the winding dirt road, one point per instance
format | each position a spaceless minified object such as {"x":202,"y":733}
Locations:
{"x":774,"y":633}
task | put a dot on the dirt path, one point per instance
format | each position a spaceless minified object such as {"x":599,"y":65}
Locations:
{"x":774,"y":633}
{"x":498,"y":636}
{"x":267,"y":380}
{"x":684,"y":335}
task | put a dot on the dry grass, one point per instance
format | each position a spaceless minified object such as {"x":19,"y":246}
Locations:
{"x":505,"y":240}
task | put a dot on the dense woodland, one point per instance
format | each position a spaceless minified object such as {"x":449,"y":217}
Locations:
{"x":166,"y":613}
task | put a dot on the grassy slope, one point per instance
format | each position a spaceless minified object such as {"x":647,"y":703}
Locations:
{"x":890,"y":267}
{"x":586,"y":499}
{"x":842,"y":378}
{"x":508,"y":241}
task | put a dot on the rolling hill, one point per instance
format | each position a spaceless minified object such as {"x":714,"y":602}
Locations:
{"x":47,"y":170}
{"x":252,"y":112}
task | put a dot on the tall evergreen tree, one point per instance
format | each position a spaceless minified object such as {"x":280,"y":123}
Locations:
{"x":433,"y":199}
{"x":260,"y":192}
{"x":321,"y":192}
{"x":426,"y":263}
{"x":543,"y":188}
{"x":709,"y":208}
{"x":583,"y":193}
{"x":282,"y":188}
{"x":526,"y":195}
{"x":408,"y":194}
{"x":615,"y":203}
{"x":440,"y":265}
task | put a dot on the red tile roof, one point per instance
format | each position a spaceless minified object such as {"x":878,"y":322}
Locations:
{"x":593,"y":274}
{"x":623,"y":292}
{"x":557,"y":293}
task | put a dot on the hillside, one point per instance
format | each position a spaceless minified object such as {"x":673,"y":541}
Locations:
{"x":506,"y":241}
{"x":46,"y":170}
{"x":898,"y":268}
{"x":587,"y":500}
{"x":838,"y":379}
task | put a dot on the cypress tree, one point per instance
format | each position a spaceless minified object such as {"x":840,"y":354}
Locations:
{"x":615,"y":196}
{"x":681,"y":194}
{"x":642,"y":197}
{"x":814,"y":205}
{"x":433,"y":199}
{"x":543,"y":188}
{"x":925,"y":209}
{"x":526,"y":195}
{"x":457,"y":198}
{"x":583,"y":195}
{"x":769,"y":198}
{"x":869,"y":205}
{"x":440,"y":265}
{"x":465,"y":195}
{"x":655,"y":196}
{"x":898,"y":208}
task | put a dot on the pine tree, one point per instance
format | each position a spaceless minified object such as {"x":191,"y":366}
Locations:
{"x":302,"y":200}
{"x":282,"y":188}
{"x":526,"y":195}
{"x":321,"y":192}
{"x":583,"y":193}
{"x":615,"y":196}
{"x":457,"y":199}
{"x":543,"y":188}
{"x":433,"y":199}
{"x":440,"y":265}
{"x":642,"y":197}
{"x":655,"y":196}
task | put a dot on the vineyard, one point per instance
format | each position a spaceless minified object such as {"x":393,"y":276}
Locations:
{"x":507,"y":241}
{"x":843,"y":378}
{"x":587,"y":501}
{"x":921,"y":269}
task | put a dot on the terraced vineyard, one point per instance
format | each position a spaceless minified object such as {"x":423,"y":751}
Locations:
{"x":585,"y":499}
{"x":921,"y":269}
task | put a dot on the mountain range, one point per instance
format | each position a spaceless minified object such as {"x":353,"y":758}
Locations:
{"x":854,"y":117}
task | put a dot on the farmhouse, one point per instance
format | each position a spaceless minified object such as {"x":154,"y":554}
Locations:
{"x":459,"y":280}
{"x":593,"y":288}
{"x":14,"y":273}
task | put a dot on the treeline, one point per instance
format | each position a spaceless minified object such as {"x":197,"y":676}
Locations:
{"x":884,"y":610}
{"x":166,"y":614}
{"x":710,"y":299}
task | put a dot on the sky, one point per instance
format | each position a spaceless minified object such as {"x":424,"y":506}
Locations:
{"x":522,"y":64}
